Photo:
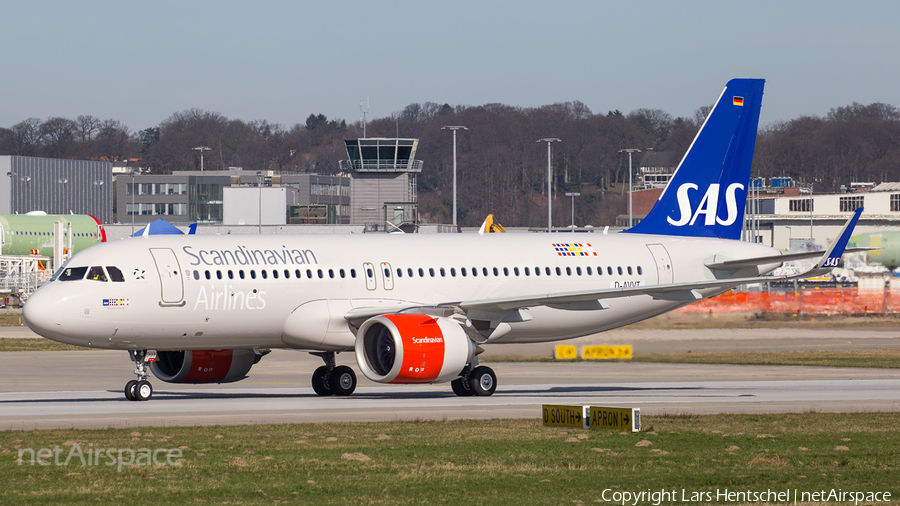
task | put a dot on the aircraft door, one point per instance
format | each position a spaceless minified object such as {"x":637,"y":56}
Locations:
{"x":171,"y":284}
{"x":369,"y":271}
{"x":388,"y":279}
{"x":663,"y":263}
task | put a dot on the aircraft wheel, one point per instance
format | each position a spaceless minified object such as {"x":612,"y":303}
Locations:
{"x":143,"y":391}
{"x":342,"y":380}
{"x":461,"y":387}
{"x":320,"y":381}
{"x":482,"y":381}
{"x":129,"y":389}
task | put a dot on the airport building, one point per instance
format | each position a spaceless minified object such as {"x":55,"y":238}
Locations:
{"x":233,"y":197}
{"x":797,"y":219}
{"x":383,"y":183}
{"x":56,"y":186}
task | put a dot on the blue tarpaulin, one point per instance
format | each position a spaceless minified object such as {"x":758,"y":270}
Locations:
{"x":159,"y":227}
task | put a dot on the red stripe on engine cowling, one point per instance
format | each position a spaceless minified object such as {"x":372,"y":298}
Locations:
{"x":423,"y":348}
{"x":208,"y":366}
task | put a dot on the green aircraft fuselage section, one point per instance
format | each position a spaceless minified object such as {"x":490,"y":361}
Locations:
{"x":889,"y":243}
{"x":25,"y":234}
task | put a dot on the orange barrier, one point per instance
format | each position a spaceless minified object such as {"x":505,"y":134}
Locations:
{"x":805,"y":301}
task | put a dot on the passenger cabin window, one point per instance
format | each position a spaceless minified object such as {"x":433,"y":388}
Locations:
{"x":115,"y":274}
{"x":73,"y":273}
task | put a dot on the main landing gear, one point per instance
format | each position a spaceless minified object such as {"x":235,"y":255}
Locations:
{"x":475,"y":380}
{"x":333,"y":380}
{"x":140,"y":389}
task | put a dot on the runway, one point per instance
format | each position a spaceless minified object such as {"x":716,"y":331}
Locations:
{"x":83,"y":389}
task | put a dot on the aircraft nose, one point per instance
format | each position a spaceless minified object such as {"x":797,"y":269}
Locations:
{"x":41,"y":314}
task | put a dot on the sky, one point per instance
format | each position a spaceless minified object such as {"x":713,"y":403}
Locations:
{"x":281,"y":60}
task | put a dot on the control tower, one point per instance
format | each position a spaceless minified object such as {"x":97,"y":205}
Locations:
{"x":383,"y":176}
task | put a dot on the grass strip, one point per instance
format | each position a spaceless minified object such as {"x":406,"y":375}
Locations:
{"x":889,"y":359}
{"x":490,"y":462}
{"x":34,"y":344}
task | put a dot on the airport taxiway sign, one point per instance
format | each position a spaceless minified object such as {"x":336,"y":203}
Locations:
{"x":564,"y":416}
{"x":600,"y":417}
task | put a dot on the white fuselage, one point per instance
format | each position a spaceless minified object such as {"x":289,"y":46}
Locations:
{"x":293,"y":291}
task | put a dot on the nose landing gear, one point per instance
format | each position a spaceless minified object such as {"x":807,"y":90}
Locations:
{"x":333,"y":380}
{"x":140,"y":389}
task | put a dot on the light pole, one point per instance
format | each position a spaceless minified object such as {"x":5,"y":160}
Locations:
{"x":65,"y":182}
{"x":133,"y":209}
{"x":810,"y":212}
{"x":201,"y":149}
{"x":573,"y":195}
{"x":549,"y":141}
{"x":15,"y":203}
{"x":99,"y":184}
{"x":25,"y":179}
{"x":259,"y":215}
{"x":629,"y":151}
{"x":454,"y":129}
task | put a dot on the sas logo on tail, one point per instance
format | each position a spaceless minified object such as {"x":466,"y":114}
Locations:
{"x":708,"y":207}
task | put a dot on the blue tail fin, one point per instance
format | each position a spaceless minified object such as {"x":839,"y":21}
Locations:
{"x":708,"y":192}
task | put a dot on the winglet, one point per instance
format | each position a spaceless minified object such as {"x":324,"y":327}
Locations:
{"x":834,"y":252}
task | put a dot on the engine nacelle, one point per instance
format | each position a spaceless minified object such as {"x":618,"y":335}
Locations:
{"x":203,"y":366}
{"x":412,"y":349}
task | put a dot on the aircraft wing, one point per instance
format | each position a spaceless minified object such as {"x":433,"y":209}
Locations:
{"x":789,"y":257}
{"x":592,"y":299}
{"x":500,"y":309}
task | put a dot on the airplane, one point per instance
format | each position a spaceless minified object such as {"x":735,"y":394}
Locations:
{"x":885,"y":245}
{"x":416,"y":308}
{"x":33,"y":233}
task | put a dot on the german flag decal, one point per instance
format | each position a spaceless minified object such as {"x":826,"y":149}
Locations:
{"x":738,"y":100}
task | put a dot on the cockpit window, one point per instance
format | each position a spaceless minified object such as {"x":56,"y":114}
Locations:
{"x":73,"y":273}
{"x":96,"y":274}
{"x":115,"y":274}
